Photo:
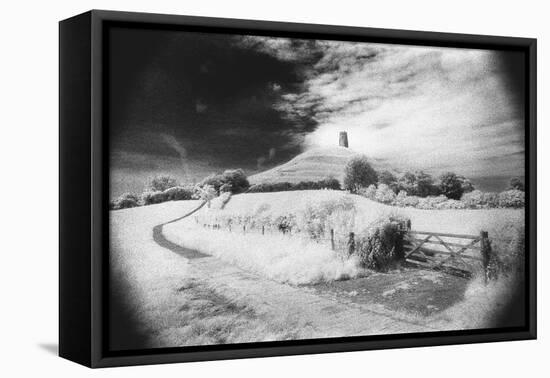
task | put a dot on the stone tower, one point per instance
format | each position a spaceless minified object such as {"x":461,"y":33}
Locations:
{"x":343,"y":139}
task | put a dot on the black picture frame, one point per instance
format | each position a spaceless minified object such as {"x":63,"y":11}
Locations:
{"x":83,"y":196}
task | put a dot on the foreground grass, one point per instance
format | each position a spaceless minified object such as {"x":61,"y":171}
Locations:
{"x":160,"y":303}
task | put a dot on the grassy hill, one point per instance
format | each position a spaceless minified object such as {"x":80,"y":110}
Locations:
{"x":313,"y":165}
{"x":447,"y":221}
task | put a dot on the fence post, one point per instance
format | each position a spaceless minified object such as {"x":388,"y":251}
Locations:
{"x":351,"y":243}
{"x":244,"y":229}
{"x":263,"y":230}
{"x":485,"y":253}
{"x":332,"y":239}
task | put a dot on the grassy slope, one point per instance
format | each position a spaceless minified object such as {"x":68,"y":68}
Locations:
{"x":313,"y":165}
{"x":450,"y":221}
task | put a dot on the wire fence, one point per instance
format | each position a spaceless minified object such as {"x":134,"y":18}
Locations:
{"x":337,"y":241}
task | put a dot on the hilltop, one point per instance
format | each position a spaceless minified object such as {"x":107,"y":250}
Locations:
{"x":313,"y":165}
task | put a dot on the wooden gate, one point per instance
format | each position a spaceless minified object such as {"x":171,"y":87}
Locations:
{"x":455,"y":253}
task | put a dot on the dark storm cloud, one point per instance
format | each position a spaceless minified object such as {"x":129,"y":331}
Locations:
{"x":206,"y":94}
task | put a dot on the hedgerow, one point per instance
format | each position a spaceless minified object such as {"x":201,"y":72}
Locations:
{"x":330,"y":183}
{"x":475,"y":199}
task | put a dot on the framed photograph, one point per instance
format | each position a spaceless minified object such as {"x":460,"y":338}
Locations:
{"x":234,"y":188}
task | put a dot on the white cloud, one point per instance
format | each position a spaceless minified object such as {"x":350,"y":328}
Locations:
{"x":416,"y":107}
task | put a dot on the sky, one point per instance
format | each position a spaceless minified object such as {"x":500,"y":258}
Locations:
{"x":191,"y":104}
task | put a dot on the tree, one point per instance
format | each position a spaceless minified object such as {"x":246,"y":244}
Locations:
{"x":237,"y":179}
{"x":425,"y":185}
{"x":516,"y":183}
{"x":451,"y":185}
{"x":359,"y":174}
{"x":161,"y":183}
{"x":389,"y":179}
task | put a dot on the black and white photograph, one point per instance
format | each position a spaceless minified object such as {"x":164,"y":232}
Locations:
{"x":271,"y":188}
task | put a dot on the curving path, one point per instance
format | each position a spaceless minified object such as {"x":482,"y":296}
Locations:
{"x":327,"y":315}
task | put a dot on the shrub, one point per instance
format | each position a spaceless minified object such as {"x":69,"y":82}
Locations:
{"x":480,"y":200}
{"x":511,"y":198}
{"x":232,"y":179}
{"x":431,"y":202}
{"x":318,"y":218}
{"x":178,"y":193}
{"x":225,"y":188}
{"x":389,"y":179}
{"x":125,"y":201}
{"x":205,"y":193}
{"x":214,"y":181}
{"x":378,"y":247}
{"x":329,"y":183}
{"x":161,"y":183}
{"x":453,"y":186}
{"x":369,"y":192}
{"x":150,"y":197}
{"x":474,"y":199}
{"x":274,"y":187}
{"x":359,"y":174}
{"x":451,"y":204}
{"x":511,"y":249}
{"x":236,"y":178}
{"x":516,"y":183}
{"x":418,"y":184}
{"x":384,"y":194}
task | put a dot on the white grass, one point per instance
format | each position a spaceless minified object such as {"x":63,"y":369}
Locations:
{"x":173,"y":305}
{"x":482,"y":305}
{"x":282,"y":258}
{"x":367,"y":211}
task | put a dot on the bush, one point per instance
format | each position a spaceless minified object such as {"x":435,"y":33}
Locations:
{"x":330,"y":183}
{"x":318,"y":218}
{"x":389,"y":179}
{"x":225,"y":188}
{"x":453,"y":186}
{"x":233,"y":180}
{"x":516,"y":183}
{"x":150,"y":197}
{"x":379,"y":247}
{"x":275,"y":187}
{"x":451,"y":204}
{"x":359,"y":174}
{"x":125,"y":201}
{"x":205,"y":193}
{"x":236,"y":178}
{"x":511,"y":198}
{"x":511,"y":249}
{"x":480,"y":200}
{"x":384,"y":194}
{"x":161,"y":183}
{"x":178,"y":193}
{"x":369,"y":192}
{"x":418,"y":184}
{"x":431,"y":202}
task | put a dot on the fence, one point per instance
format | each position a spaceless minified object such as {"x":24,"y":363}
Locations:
{"x":456,"y":253}
{"x":452,"y":253}
{"x":343,"y":243}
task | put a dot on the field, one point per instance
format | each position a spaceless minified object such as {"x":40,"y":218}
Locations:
{"x":245,"y":286}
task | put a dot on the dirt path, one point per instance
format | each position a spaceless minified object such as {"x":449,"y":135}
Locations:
{"x":325,"y":314}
